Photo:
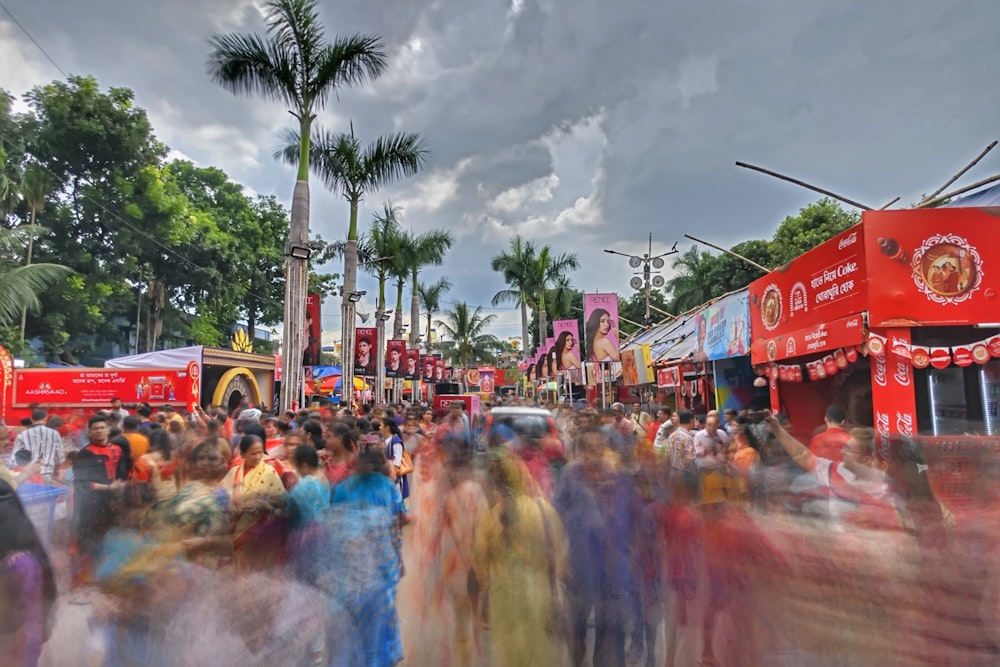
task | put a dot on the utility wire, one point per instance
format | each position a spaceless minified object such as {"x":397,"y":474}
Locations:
{"x":33,"y":40}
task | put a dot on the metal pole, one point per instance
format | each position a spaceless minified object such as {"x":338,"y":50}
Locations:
{"x":138,"y":313}
{"x":380,"y":357}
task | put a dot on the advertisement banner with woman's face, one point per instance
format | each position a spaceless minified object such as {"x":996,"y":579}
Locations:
{"x":395,"y":351}
{"x":427,"y":365}
{"x":364,"y":351}
{"x":412,"y":370}
{"x":600,"y":312}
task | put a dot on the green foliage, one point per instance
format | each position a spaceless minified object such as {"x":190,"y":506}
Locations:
{"x":467,"y":336}
{"x":701,"y":276}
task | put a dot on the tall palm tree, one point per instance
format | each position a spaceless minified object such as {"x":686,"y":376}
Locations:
{"x":516,"y":264}
{"x":559,"y":299}
{"x":21,"y":284}
{"x":689,"y":287}
{"x":34,"y":189}
{"x":547,"y":269}
{"x":354,"y":171}
{"x":382,"y":244}
{"x":467,"y":331}
{"x":427,"y":249}
{"x":430,"y":299}
{"x":295,"y":64}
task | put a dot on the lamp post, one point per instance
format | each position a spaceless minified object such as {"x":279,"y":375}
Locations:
{"x":297,"y":253}
{"x":648,"y":279}
{"x":381,"y":317}
{"x":347,"y":342}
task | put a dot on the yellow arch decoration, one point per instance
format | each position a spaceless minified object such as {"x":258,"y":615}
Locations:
{"x":220,"y":388}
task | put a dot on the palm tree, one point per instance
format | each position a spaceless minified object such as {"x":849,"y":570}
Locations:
{"x":354,"y":171}
{"x":467,"y":331}
{"x":34,"y":188}
{"x":20,"y":285}
{"x":295,"y":64}
{"x":547,"y":269}
{"x":430,"y":299}
{"x":515,"y":264}
{"x":689,"y":286}
{"x":427,"y":249}
{"x":382,"y":244}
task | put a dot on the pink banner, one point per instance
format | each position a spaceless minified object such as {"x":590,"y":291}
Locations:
{"x":601,"y":329}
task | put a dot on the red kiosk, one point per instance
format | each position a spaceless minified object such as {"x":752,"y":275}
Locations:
{"x":897,"y":320}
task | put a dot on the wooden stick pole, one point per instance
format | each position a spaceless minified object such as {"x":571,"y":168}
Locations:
{"x":662,"y":312}
{"x":885,"y":206}
{"x":954,"y":178}
{"x":803,"y":184}
{"x":960,"y":191}
{"x":730,"y":252}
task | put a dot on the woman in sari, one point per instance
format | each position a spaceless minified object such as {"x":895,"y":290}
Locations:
{"x":363,"y":531}
{"x":521,"y":561}
{"x":196,"y":516}
{"x":158,"y":466}
{"x":27,"y":587}
{"x":427,"y":424}
{"x":337,"y":458}
{"x":256,"y":493}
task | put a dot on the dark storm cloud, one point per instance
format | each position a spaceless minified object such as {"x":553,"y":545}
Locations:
{"x":585,"y":124}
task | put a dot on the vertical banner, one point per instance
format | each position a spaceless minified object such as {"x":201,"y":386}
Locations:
{"x":395,"y":351}
{"x":312,"y":332}
{"x":600,"y":333}
{"x":194,"y":386}
{"x":427,"y":365}
{"x":894,"y":402}
{"x":365,"y":339}
{"x":438,"y":368}
{"x":6,"y":380}
{"x":412,"y":371}
{"x":487,"y":379}
{"x":567,"y":345}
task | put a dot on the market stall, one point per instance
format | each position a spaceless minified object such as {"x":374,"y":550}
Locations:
{"x":895,"y":319}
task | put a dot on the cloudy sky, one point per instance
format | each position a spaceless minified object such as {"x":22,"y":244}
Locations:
{"x":582,"y":124}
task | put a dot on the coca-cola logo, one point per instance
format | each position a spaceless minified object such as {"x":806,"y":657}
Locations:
{"x":882,"y":428}
{"x":848,"y":240}
{"x":902,"y":374}
{"x":878,"y":371}
{"x":904,"y":423}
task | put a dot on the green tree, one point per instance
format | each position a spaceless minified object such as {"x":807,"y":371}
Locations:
{"x":417,"y":252}
{"x":34,"y":189}
{"x":516,"y":265}
{"x":547,"y":269}
{"x":813,"y":225}
{"x":295,"y":64}
{"x":430,"y":300}
{"x":467,"y":331}
{"x":689,"y":287}
{"x":20,"y":285}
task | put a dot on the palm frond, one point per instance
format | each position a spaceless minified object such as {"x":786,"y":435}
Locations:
{"x":251,"y":65}
{"x":392,"y":157}
{"x":20,"y":287}
{"x":349,"y":61}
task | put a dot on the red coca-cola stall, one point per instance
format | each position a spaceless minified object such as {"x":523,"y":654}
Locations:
{"x":896,"y":320}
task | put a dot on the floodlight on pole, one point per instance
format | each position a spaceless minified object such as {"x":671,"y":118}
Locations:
{"x":355,"y":297}
{"x":647,"y":278}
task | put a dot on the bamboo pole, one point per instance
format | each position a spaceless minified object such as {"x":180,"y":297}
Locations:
{"x":730,"y":252}
{"x":962,"y":171}
{"x":803,"y":184}
{"x":885,"y":206}
{"x":954,"y":193}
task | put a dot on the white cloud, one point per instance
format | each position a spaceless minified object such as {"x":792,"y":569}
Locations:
{"x":24,"y":67}
{"x":536,"y":191}
{"x":697,"y":76}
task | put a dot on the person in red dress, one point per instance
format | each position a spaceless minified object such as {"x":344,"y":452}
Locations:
{"x":829,"y":442}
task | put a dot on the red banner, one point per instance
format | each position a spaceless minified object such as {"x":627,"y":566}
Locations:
{"x":412,"y":371}
{"x":395,"y":358}
{"x":933,"y":266}
{"x":668,"y":377}
{"x":365,"y":340}
{"x":844,"y":332}
{"x":86,"y":387}
{"x":894,"y":403}
{"x":824,"y":284}
{"x":428,"y":364}
{"x":312,"y":334}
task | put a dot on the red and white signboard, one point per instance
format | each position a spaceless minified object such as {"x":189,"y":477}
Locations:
{"x":668,"y":377}
{"x":893,"y":398}
{"x":843,"y":332}
{"x":84,"y":387}
{"x":934,"y":267}
{"x":825,"y":284}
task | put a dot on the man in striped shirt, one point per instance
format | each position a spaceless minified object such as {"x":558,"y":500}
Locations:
{"x":42,"y":442}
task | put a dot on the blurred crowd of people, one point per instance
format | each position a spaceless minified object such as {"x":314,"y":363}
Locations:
{"x":250,"y":538}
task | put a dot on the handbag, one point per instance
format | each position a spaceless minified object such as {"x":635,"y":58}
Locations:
{"x":405,"y":464}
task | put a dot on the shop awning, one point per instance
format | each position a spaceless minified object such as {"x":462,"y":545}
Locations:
{"x":810,"y":340}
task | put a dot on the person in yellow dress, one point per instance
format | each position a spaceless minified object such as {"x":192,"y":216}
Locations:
{"x":521,"y":561}
{"x":256,"y":494}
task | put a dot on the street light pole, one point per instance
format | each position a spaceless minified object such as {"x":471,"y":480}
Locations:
{"x":648,"y":280}
{"x":297,"y":254}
